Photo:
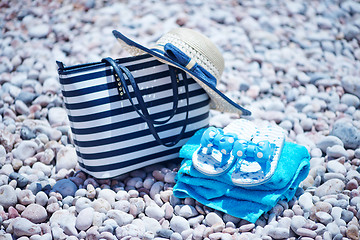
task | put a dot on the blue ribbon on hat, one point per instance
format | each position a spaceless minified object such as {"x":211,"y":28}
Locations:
{"x":184,"y":60}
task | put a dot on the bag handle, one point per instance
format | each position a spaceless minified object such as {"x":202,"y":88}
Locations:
{"x":119,"y":72}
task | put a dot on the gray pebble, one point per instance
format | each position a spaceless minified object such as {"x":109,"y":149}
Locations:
{"x":328,"y":141}
{"x":347,"y":132}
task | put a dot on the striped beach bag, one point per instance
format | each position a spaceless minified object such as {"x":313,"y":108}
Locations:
{"x":129,"y":113}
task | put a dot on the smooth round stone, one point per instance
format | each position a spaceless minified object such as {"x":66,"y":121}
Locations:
{"x":101,"y":205}
{"x":35,"y":213}
{"x":347,"y":215}
{"x":148,"y":182}
{"x":347,"y":132}
{"x":38,"y":30}
{"x":333,"y":228}
{"x":279,"y":233}
{"x":23,"y":227}
{"x":66,"y":158}
{"x":212,"y":218}
{"x":25,"y":149}
{"x":155,"y":189}
{"x":332,"y":186}
{"x":188,"y":211}
{"x":336,"y":167}
{"x":26,"y":133}
{"x":352,"y":184}
{"x":57,"y":116}
{"x":337,"y":151}
{"x":323,"y":207}
{"x":179,"y":224}
{"x":108,"y":194}
{"x":297,"y":222}
{"x":350,"y":100}
{"x":65,"y":220}
{"x":84,"y":219}
{"x":328,"y":141}
{"x":26,"y":97}
{"x":170,"y":177}
{"x":352,"y":232}
{"x":165,"y":233}
{"x":41,"y":198}
{"x":304,"y":232}
{"x":151,"y":225}
{"x":154,"y":211}
{"x":20,"y":179}
{"x":324,"y":217}
{"x":65,"y":187}
{"x":357,"y":153}
{"x":306,"y":202}
{"x":176,"y":236}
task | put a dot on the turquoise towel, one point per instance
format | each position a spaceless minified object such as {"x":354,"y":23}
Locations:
{"x":247,"y":203}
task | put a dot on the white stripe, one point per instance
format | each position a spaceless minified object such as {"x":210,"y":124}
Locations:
{"x":126,"y":103}
{"x":141,"y":152}
{"x":99,"y":69}
{"x":133,"y":114}
{"x":136,"y":127}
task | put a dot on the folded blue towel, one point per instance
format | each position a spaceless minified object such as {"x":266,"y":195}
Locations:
{"x":247,"y":203}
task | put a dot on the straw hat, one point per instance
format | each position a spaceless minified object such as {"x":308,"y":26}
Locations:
{"x":194,"y":53}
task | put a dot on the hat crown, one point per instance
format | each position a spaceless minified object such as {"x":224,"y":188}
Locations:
{"x":198,"y":47}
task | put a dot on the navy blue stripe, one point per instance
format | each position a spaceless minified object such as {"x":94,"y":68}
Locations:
{"x":116,"y":98}
{"x":102,"y":87}
{"x":129,"y":122}
{"x":122,"y":110}
{"x":119,"y":165}
{"x":103,"y":73}
{"x":135,"y":148}
{"x":96,"y":65}
{"x":145,"y":132}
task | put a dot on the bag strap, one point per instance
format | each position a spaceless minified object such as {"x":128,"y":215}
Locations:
{"x":119,"y":72}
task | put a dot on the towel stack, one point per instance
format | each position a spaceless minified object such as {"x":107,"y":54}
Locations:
{"x":249,"y":202}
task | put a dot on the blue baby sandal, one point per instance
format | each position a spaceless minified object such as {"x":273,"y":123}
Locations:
{"x":214,"y":157}
{"x":256,"y":160}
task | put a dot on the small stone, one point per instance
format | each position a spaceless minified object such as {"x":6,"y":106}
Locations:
{"x":336,"y":167}
{"x":35,"y":213}
{"x":328,"y":141}
{"x":120,"y":217}
{"x":122,"y":205}
{"x":247,"y":227}
{"x":66,"y":158}
{"x":212,"y":218}
{"x":352,"y":232}
{"x":165,"y":233}
{"x":151,"y":225}
{"x":304,"y":232}
{"x":188,"y":211}
{"x":57,"y":116}
{"x":324,"y":217}
{"x":332,"y":186}
{"x":337,"y":151}
{"x":23,"y":227}
{"x":297,"y":222}
{"x":305,"y":201}
{"x":26,"y":133}
{"x":347,"y":215}
{"x":347,"y":132}
{"x":154,"y":211}
{"x":84,"y":219}
{"x":107,"y":194}
{"x":352,"y":184}
{"x":179,"y":224}
{"x":350,"y":100}
{"x":38,"y":30}
{"x":155,"y":189}
{"x":20,"y":179}
{"x":25,"y":149}
{"x":26,"y":197}
{"x":65,"y":187}
{"x":279,"y":233}
{"x":41,"y":198}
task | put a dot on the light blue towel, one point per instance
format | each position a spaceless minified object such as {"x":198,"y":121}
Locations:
{"x":247,"y":203}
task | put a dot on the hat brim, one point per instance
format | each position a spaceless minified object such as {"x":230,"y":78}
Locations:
{"x":219,"y":100}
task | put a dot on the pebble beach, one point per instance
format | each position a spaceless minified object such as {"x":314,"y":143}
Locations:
{"x":291,"y":63}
